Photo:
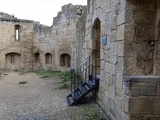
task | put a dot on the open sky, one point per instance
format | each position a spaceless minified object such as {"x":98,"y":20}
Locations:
{"x":37,"y":10}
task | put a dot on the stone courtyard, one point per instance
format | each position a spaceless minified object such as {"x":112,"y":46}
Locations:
{"x":38,"y":97}
{"x":125,"y":35}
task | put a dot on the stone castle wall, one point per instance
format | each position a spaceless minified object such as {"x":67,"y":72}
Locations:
{"x":39,"y":46}
{"x":9,"y":44}
{"x":43,"y":44}
{"x":59,"y":39}
{"x":110,"y":15}
{"x":129,"y":76}
{"x":64,"y":33}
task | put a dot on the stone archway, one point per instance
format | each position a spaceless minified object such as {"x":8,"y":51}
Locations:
{"x":96,"y":32}
{"x":65,"y":60}
{"x":13,"y":61}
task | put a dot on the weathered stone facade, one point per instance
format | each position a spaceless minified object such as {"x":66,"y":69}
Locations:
{"x":16,"y":53}
{"x":39,"y":46}
{"x":141,"y":67}
{"x":129,"y":60}
{"x":64,"y":34}
{"x":107,"y":18}
{"x":129,"y":67}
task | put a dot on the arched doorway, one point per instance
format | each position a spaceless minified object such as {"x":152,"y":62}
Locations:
{"x":48,"y":58}
{"x":65,"y":60}
{"x":96,"y":32}
{"x":13,"y":61}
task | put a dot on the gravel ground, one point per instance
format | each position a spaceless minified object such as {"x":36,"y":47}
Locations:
{"x":38,"y":97}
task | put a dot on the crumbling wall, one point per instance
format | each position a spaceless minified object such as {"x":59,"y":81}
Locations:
{"x":6,"y":16}
{"x":49,"y":43}
{"x":64,"y":33}
{"x":9,"y":43}
{"x":80,"y":36}
{"x":43,"y":44}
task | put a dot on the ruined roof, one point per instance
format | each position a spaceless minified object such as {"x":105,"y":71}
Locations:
{"x":5,"y":15}
{"x":10,"y":18}
{"x":68,"y":11}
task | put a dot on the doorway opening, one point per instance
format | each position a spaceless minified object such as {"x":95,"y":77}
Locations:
{"x":13,"y":61}
{"x":96,"y":42}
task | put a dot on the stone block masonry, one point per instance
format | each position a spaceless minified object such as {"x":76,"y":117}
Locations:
{"x":39,"y":46}
{"x":130,"y":52}
{"x":129,"y":66}
{"x":16,"y":53}
{"x":143,"y":96}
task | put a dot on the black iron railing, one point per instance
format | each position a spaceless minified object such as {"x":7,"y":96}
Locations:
{"x":88,"y":69}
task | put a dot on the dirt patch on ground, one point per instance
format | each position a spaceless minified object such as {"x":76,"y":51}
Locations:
{"x":36,"y":97}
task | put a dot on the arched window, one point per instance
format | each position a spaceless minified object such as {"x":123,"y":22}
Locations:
{"x":65,"y":60}
{"x":17,"y":32}
{"x":48,"y":58}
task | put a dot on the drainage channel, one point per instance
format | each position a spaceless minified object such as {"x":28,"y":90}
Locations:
{"x":30,"y":118}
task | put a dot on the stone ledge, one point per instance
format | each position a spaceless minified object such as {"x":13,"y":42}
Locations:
{"x":140,"y":78}
{"x":141,"y":85}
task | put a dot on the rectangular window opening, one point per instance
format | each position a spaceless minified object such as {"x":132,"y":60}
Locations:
{"x":17,"y":34}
